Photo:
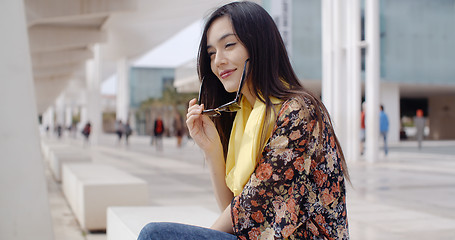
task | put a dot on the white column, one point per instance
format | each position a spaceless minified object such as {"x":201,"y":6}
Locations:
{"x":327,"y":64}
{"x":334,"y":83}
{"x":83,"y":118}
{"x":24,"y":200}
{"x":123,"y":89}
{"x":68,"y":116}
{"x":337,"y":76}
{"x":82,"y":111}
{"x":372,"y":79}
{"x":390,"y":98}
{"x":353,"y":92}
{"x":281,"y":12}
{"x":48,"y":119}
{"x":60,"y":110}
{"x":94,"y":115}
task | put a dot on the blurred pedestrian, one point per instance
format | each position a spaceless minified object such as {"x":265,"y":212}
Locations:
{"x":178,"y":128}
{"x":119,"y":129}
{"x":384,"y":127}
{"x":158,"y":131}
{"x":86,"y":132}
{"x":59,"y":131}
{"x":128,"y":131}
{"x":419,"y":122}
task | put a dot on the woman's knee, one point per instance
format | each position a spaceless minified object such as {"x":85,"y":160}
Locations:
{"x":150,"y":231}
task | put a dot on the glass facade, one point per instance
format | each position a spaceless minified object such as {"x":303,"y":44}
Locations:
{"x":417,"y":40}
{"x":148,"y":83}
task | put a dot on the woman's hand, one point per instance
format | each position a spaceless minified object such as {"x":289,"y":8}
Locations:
{"x":202,"y":129}
{"x":204,"y":133}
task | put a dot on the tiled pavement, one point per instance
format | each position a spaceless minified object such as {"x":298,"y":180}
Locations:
{"x":410,"y":194}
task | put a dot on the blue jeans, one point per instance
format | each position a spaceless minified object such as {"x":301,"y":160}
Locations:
{"x":386,"y":149}
{"x":167,"y":231}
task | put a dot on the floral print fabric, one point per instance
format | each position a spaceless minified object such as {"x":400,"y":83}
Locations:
{"x":291,"y":194}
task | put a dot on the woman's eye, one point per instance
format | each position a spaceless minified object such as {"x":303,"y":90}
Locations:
{"x":230,"y":44}
{"x":211,"y":54}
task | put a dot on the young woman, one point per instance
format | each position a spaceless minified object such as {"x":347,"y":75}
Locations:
{"x":276,"y":165}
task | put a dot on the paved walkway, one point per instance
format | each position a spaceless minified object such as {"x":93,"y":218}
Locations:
{"x":410,"y":194}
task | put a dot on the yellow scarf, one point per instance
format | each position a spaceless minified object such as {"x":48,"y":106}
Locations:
{"x":245,"y":141}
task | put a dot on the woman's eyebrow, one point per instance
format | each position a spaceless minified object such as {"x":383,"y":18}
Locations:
{"x":221,"y":38}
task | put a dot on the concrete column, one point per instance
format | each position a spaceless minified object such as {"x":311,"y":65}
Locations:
{"x":68,"y":116}
{"x":123,"y":90}
{"x":24,"y":212}
{"x":94,"y":96}
{"x":281,"y":12}
{"x":83,"y":118}
{"x":60,"y":110}
{"x":390,"y":98}
{"x":337,"y":76}
{"x":82,"y":111}
{"x":327,"y":65}
{"x":353,"y":91}
{"x":48,"y":119}
{"x":335,"y":80}
{"x":372,"y":79}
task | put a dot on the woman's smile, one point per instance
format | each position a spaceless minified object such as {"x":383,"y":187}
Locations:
{"x":226,"y":73}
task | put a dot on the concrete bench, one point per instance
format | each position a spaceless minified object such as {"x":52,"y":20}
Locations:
{"x":91,"y":188}
{"x":46,"y":149}
{"x":125,"y":223}
{"x":59,"y":157}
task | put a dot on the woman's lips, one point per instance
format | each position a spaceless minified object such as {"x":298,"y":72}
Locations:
{"x":226,"y":73}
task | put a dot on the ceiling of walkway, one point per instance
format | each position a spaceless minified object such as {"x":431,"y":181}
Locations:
{"x":62,"y":34}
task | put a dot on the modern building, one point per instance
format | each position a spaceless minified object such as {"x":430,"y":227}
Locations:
{"x":51,"y":49}
{"x":416,"y":57}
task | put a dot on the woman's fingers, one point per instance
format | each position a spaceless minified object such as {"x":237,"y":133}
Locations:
{"x":192,"y":102}
{"x":193,"y":108}
{"x":193,"y":115}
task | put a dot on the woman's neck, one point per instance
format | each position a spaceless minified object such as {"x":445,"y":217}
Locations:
{"x":250,"y":97}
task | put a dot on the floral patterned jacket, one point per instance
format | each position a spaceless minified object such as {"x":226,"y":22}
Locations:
{"x":291,"y":195}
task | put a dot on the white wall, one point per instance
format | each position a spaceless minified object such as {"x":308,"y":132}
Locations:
{"x":24,"y":211}
{"x":390,"y":98}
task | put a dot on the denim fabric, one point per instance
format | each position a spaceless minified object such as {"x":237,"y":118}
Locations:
{"x":169,"y":231}
{"x":386,"y":149}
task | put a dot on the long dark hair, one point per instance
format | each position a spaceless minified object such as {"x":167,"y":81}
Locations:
{"x":270,"y":72}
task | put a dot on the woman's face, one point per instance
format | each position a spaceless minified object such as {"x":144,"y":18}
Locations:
{"x":227,"y":54}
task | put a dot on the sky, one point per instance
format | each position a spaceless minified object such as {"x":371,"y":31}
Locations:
{"x":179,"y":49}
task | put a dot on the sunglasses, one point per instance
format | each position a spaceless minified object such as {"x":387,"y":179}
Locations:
{"x":232,"y":106}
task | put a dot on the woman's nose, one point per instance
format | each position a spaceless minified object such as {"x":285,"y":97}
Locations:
{"x":220,"y":59}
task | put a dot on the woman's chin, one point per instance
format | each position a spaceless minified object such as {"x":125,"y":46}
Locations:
{"x":230,"y":89}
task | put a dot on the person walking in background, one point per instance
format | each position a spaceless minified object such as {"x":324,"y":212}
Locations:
{"x":86,"y":132}
{"x":277,"y":168}
{"x":128,"y":131}
{"x":419,"y":122}
{"x":384,"y":127}
{"x":59,"y":131}
{"x":178,"y":128}
{"x":158,"y":131}
{"x":119,"y":129}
